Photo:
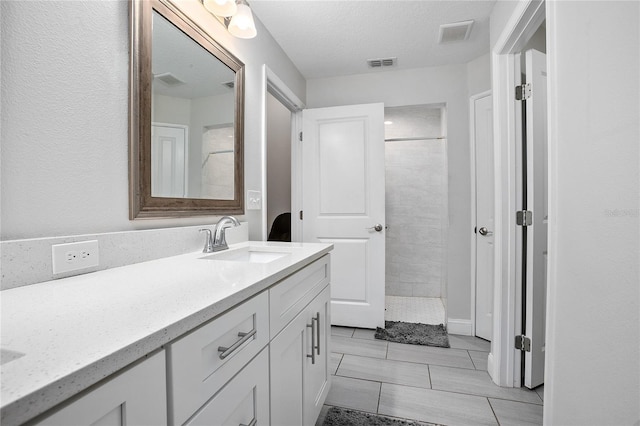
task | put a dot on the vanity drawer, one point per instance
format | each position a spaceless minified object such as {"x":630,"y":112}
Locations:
{"x":197,"y":368}
{"x":241,"y":401}
{"x":291,"y":295}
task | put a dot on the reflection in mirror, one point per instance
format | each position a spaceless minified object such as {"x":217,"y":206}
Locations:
{"x":193,"y":90}
{"x":186,"y":118}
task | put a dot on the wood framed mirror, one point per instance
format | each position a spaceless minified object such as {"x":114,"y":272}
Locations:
{"x":186,"y":118}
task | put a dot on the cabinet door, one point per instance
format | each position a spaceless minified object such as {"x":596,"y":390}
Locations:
{"x":317,"y":376}
{"x":136,"y":396}
{"x":288,"y":354}
{"x":300,"y":365}
{"x":242,"y":401}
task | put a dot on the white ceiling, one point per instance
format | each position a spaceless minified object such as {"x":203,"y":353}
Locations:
{"x":335,"y":37}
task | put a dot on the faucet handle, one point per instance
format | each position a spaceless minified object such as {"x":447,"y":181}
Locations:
{"x":208,"y":243}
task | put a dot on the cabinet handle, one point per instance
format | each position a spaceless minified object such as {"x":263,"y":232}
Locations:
{"x":313,"y":338}
{"x":317,"y":319}
{"x":228,"y":351}
{"x":253,"y":422}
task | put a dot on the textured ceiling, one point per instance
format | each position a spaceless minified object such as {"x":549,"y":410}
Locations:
{"x":330,"y":37}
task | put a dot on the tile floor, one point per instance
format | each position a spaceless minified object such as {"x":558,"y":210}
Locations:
{"x":423,"y":310}
{"x":422,"y":383}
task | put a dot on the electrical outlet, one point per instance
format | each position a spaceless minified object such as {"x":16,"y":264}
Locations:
{"x":73,"y":256}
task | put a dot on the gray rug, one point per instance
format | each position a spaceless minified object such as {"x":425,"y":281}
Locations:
{"x":414,"y":334}
{"x":343,"y":417}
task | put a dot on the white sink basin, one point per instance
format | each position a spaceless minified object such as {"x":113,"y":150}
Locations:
{"x":248,"y":254}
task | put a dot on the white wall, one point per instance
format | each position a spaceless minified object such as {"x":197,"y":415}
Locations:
{"x":479,"y":75}
{"x":447,"y":85}
{"x":64,"y":166}
{"x":593,"y":354}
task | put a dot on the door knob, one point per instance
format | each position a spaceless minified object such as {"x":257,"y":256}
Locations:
{"x":376,"y":228}
{"x":484,"y":232}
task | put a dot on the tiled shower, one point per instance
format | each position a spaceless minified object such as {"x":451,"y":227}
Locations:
{"x":416,"y":213}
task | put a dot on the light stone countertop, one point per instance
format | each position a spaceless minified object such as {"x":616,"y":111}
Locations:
{"x":76,"y":331}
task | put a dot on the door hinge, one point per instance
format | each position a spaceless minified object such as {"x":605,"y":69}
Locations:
{"x":523,"y":92}
{"x":524,"y":218}
{"x":300,"y":136}
{"x":301,"y":215}
{"x":523,"y":343}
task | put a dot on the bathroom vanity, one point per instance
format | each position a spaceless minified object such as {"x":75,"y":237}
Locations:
{"x":235,"y":337}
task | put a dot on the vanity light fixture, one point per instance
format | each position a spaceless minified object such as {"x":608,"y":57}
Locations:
{"x":236,"y":16}
{"x":223,"y":8}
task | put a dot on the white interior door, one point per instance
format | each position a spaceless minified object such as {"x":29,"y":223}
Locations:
{"x":168,"y":160}
{"x":484,"y":239}
{"x":536,"y":260}
{"x":343,"y":203}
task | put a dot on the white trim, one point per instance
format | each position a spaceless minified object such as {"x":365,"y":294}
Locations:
{"x":474,"y":197}
{"x":504,"y":363}
{"x":296,"y":176}
{"x":552,"y":194}
{"x":274,"y":85}
{"x":461,"y":327}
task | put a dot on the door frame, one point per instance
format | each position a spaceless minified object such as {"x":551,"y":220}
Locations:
{"x":474,"y":197}
{"x":274,"y":85}
{"x":504,"y":360}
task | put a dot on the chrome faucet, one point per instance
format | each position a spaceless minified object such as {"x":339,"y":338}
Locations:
{"x":216,"y":241}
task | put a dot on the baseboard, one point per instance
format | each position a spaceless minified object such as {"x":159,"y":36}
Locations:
{"x":491,"y":367}
{"x":459,"y":326}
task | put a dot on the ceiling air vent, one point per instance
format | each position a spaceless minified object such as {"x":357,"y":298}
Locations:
{"x":230,"y":84}
{"x":458,"y":31}
{"x":382,"y":62}
{"x":169,"y":79}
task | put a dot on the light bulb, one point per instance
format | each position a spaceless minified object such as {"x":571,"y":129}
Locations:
{"x":221,"y":7}
{"x":242,"y":25}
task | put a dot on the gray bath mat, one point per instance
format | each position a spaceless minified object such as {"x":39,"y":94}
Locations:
{"x":343,"y":417}
{"x":414,"y":334}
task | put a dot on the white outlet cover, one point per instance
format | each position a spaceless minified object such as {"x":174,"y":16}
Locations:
{"x":254,"y":200}
{"x":74,"y":256}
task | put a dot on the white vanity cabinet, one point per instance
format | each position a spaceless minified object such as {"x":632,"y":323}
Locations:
{"x":262,"y":360}
{"x":134,"y":396}
{"x":299,"y":353}
{"x":201,"y":362}
{"x":244,"y":401}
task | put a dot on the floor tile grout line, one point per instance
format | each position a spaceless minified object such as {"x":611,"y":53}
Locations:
{"x":493,"y":411}
{"x":436,"y":390}
{"x":411,"y":362}
{"x":339,"y":362}
{"x":380,"y":381}
{"x":471,"y":358}
{"x":483,"y":396}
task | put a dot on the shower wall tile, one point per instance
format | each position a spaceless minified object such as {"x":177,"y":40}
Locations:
{"x":416,"y":205}
{"x":399,"y":289}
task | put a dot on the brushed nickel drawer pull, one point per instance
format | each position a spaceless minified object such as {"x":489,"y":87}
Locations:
{"x":313,"y":338}
{"x":317,"y":318}
{"x":251,"y":423}
{"x":228,"y":351}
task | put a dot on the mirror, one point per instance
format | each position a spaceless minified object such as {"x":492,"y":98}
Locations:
{"x":186,"y":118}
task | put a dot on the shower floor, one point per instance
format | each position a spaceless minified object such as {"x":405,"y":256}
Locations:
{"x":424,"y":310}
